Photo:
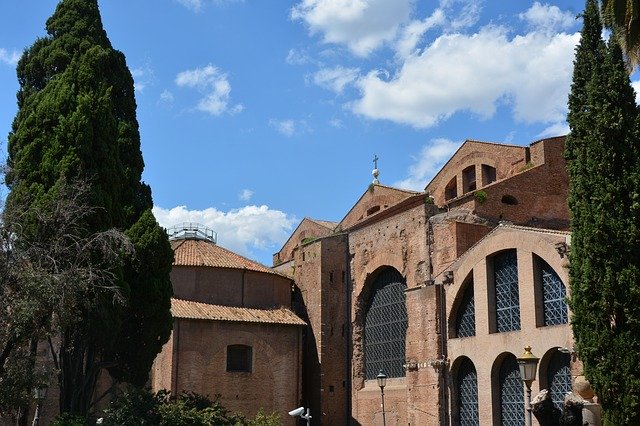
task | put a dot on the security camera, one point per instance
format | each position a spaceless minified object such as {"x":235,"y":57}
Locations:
{"x":297,"y":412}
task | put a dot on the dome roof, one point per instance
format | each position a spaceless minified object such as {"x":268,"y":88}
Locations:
{"x":197,"y":252}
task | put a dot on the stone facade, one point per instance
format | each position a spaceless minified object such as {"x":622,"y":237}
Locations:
{"x":488,"y":199}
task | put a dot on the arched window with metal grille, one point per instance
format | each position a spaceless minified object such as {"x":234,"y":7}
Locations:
{"x":507,"y":298}
{"x":385,"y":327}
{"x":554,"y":295}
{"x":466,"y":313}
{"x":559,"y":377}
{"x":467,"y":393}
{"x":511,"y":393}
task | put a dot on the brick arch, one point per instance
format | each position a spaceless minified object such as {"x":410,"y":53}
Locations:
{"x":500,"y":240}
{"x":358,"y":326}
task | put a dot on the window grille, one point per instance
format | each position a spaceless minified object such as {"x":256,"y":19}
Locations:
{"x":505,"y":268}
{"x":239,"y":358}
{"x":559,"y":377}
{"x":466,"y":317}
{"x":554,"y":295}
{"x":386,"y":326}
{"x":511,"y":393}
{"x":468,"y":394}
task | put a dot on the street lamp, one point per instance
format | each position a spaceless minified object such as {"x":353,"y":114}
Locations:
{"x":528,"y":364}
{"x":39,"y":394}
{"x":382,"y":382}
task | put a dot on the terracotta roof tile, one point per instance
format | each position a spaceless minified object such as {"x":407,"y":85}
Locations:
{"x":205,"y":253}
{"x":196,"y":310}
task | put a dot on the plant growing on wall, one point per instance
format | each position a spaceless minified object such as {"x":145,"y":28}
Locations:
{"x":480,"y":196}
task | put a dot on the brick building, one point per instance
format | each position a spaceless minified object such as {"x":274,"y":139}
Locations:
{"x":234,"y":333}
{"x":441,"y":290}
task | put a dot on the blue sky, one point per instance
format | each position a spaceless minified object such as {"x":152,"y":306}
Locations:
{"x":255,"y":114}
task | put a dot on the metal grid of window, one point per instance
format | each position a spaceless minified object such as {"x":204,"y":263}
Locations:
{"x":385,"y":326}
{"x":559,"y":377}
{"x":468,"y":394}
{"x":554,"y":295}
{"x":511,"y":393}
{"x":505,"y":267}
{"x":466,"y":317}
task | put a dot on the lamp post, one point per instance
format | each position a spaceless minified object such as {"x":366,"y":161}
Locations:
{"x":382,"y":382}
{"x":39,"y":394}
{"x":528,"y":364}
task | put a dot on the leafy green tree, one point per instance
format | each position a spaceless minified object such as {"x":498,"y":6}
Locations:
{"x":76,"y":120}
{"x":602,"y":154}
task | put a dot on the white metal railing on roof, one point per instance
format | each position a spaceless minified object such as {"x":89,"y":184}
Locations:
{"x":192,"y":231}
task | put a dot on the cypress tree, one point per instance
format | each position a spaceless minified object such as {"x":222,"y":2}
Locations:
{"x":602,"y":157}
{"x":76,"y":121}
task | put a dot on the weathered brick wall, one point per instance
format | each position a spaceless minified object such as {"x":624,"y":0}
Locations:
{"x":334,"y":347}
{"x":306,"y":229}
{"x":200,"y":364}
{"x":506,"y":159}
{"x":321,"y":277}
{"x":374,"y":201}
{"x":230,"y":287}
{"x":399,"y":242}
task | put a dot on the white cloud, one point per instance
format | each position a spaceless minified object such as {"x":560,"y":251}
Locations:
{"x":215,"y":86}
{"x":335,"y":79}
{"x":412,"y":33}
{"x":166,"y":96}
{"x":240,"y":230}
{"x":548,"y":18}
{"x":430,"y":160}
{"x":298,"y":57}
{"x":556,"y":129}
{"x":290,"y":127}
{"x":9,"y":58}
{"x":361,"y":25}
{"x":143,"y":76}
{"x":474,"y":73}
{"x":246,"y":195}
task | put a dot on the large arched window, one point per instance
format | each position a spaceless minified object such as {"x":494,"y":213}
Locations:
{"x":554,"y":295}
{"x":559,"y":377}
{"x":385,"y":327}
{"x":507,"y":299}
{"x":467,"y":393}
{"x":466,"y":313}
{"x":511,"y":393}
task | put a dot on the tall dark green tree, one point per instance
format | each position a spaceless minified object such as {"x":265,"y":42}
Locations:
{"x":602,"y":153}
{"x":76,"y":121}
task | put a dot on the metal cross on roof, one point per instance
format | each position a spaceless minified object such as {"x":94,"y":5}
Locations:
{"x":375,"y":161}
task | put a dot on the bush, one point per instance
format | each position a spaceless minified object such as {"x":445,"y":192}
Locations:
{"x":143,"y":407}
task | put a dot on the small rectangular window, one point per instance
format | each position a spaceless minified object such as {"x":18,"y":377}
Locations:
{"x":239,"y":358}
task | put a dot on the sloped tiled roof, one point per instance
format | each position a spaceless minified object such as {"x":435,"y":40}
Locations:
{"x":204,"y":311}
{"x":191,"y":252}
